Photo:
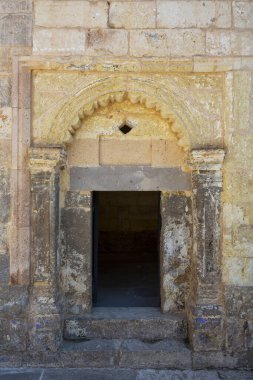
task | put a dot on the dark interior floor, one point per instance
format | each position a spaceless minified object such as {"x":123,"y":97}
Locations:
{"x":127,"y":260}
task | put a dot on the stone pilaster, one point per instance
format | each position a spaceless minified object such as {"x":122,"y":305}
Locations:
{"x":44,"y":315}
{"x":205,"y":305}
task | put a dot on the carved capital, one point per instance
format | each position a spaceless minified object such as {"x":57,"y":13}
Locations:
{"x":206,"y":159}
{"x":46,"y":158}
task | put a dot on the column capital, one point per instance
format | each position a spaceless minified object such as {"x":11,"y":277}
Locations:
{"x":206,"y":159}
{"x":46,"y":158}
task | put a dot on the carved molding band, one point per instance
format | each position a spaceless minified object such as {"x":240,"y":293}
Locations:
{"x":206,"y":159}
{"x":46,"y":158}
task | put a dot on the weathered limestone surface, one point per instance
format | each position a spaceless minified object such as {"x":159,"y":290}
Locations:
{"x":175,"y":251}
{"x":125,"y":374}
{"x":44,"y":318}
{"x":187,"y":66}
{"x":125,"y":178}
{"x":71,"y":107}
{"x":121,"y":14}
{"x":205,"y":304}
{"x":76,"y":230}
{"x":126,"y":323}
{"x":167,"y":43}
{"x":187,"y":14}
{"x":72,"y":14}
{"x":13,"y":326}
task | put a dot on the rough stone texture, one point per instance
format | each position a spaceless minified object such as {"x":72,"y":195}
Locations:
{"x":13,"y":304}
{"x":175,"y":250}
{"x":70,"y":106}
{"x":15,"y":37}
{"x":164,"y":43}
{"x":243,"y":14}
{"x":106,"y":42}
{"x":8,"y":53}
{"x":5,"y":91}
{"x":149,"y":324}
{"x":187,"y":14}
{"x":123,"y":374}
{"x":220,"y":42}
{"x":205,"y":307}
{"x":107,"y":145}
{"x":76,"y":229}
{"x":238,"y":301}
{"x":44,"y":318}
{"x":4,"y":195}
{"x":5,"y":122}
{"x":16,"y":6}
{"x":5,"y":207}
{"x":5,"y":153}
{"x":3,"y":239}
{"x":163,"y":354}
{"x":84,"y":152}
{"x":58,"y":41}
{"x":4,"y":268}
{"x":117,"y":152}
{"x":124,"y":354}
{"x":185,"y":67}
{"x":132,"y":15}
{"x":166,"y":153}
{"x":15,"y":29}
{"x":70,"y":14}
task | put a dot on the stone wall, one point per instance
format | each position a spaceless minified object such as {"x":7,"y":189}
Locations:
{"x":181,"y":38}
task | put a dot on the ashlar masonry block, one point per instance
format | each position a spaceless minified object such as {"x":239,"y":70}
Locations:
{"x":15,"y":29}
{"x":84,"y":152}
{"x":15,"y":6}
{"x":57,"y":41}
{"x":131,"y":15}
{"x":166,"y":153}
{"x":164,"y":43}
{"x":188,"y":14}
{"x":69,"y":14}
{"x":125,"y":152}
{"x":243,"y":14}
{"x":106,"y":41}
{"x":236,"y":42}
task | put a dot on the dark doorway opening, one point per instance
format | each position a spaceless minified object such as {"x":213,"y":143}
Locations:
{"x":126,"y":229}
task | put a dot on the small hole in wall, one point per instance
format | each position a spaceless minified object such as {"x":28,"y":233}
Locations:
{"x":125,"y":129}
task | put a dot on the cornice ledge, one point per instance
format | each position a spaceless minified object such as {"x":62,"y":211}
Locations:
{"x":206,"y":159}
{"x":46,"y":158}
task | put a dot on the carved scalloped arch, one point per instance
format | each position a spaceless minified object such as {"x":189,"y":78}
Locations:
{"x":119,"y":97}
{"x":84,"y":102}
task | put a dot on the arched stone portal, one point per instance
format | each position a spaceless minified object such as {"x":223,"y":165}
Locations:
{"x":201,"y":277}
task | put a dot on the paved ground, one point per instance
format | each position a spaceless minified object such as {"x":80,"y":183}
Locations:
{"x":120,"y":374}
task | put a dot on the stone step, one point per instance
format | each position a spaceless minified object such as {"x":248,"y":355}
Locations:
{"x":126,"y":323}
{"x":130,"y":353}
{"x":122,"y":374}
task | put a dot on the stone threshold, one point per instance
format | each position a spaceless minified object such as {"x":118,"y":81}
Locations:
{"x":122,"y":374}
{"x":130,"y":313}
{"x":143,"y":323}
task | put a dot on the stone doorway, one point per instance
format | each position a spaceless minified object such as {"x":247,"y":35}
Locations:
{"x":87,"y":156}
{"x":126,"y":228}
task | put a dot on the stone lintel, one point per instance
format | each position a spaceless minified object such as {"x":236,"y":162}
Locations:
{"x":129,"y":178}
{"x":206,"y":159}
{"x":46,"y":158}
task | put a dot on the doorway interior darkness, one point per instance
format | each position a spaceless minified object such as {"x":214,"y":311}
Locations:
{"x":126,"y":229}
